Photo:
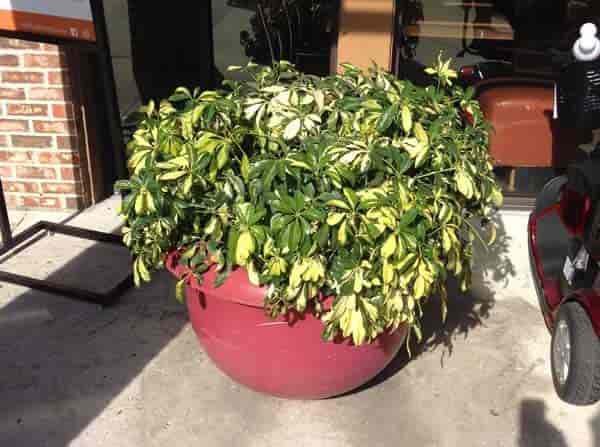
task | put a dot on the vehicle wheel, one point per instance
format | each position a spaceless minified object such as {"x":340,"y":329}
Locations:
{"x":575,"y":356}
{"x":550,"y":193}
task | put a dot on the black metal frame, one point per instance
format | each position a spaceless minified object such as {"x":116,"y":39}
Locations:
{"x":11,"y":242}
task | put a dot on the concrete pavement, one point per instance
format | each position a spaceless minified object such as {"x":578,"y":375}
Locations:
{"x":72,"y":374}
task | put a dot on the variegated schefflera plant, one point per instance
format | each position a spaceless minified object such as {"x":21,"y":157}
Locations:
{"x":359,"y":186}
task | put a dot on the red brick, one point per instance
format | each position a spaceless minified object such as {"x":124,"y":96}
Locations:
{"x":31,"y":141}
{"x":49,"y":94}
{"x":12,"y":93}
{"x":67,"y":127}
{"x":67,"y":142}
{"x":60,"y":188}
{"x":31,"y":202}
{"x":70,"y":173}
{"x":9,"y":60}
{"x":22,"y":187}
{"x":11,"y":200}
{"x":27,"y":109}
{"x":32,"y":172}
{"x":62,"y":111}
{"x":59,"y":77}
{"x":13,"y":125}
{"x":18,"y":44}
{"x":15,"y":156}
{"x":6,"y":172}
{"x":57,"y":158}
{"x":74,"y":203}
{"x":50,"y":202}
{"x":43,"y":61}
{"x":3,"y":140}
{"x":23,"y":77}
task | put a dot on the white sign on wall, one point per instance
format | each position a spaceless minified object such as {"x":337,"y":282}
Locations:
{"x":70,"y":19}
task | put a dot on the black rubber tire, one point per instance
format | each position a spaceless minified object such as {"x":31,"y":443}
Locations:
{"x":550,"y":193}
{"x":582,"y":386}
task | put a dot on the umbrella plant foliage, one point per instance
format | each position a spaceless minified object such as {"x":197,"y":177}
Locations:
{"x":358,"y":186}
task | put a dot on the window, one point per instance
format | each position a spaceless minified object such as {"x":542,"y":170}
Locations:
{"x":525,"y":40}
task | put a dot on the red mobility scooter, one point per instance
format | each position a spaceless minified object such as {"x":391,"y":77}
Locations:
{"x":564,"y":236}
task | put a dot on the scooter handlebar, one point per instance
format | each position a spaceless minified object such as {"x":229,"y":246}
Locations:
{"x":587,"y":47}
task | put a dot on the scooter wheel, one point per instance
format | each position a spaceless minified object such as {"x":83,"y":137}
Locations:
{"x":550,"y":193}
{"x":575,"y":356}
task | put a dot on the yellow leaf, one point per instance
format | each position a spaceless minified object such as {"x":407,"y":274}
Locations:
{"x":245,"y":247}
{"x":334,"y":218}
{"x":252,"y":274}
{"x":292,"y":129}
{"x":140,"y":205}
{"x":419,"y":287}
{"x":406,"y":119}
{"x":143,"y":271}
{"x":420,"y":158}
{"x":444,"y":298}
{"x":446,"y":241}
{"x":187,"y":184}
{"x":150,"y":202}
{"x":463,"y":182}
{"x":397,"y":300}
{"x":358,"y":282}
{"x":346,"y":323}
{"x":421,"y":134}
{"x":338,"y":203}
{"x":343,"y":233}
{"x":370,"y":310}
{"x":388,"y":272}
{"x":359,"y":333}
{"x":389,"y":246}
{"x":492,"y":234}
{"x":401,"y":248}
{"x":174,"y":175}
{"x":497,"y":198}
{"x":298,"y":270}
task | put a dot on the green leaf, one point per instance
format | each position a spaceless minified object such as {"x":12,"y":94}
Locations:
{"x":295,"y":236}
{"x":408,"y":217}
{"x":232,"y":240}
{"x":223,"y":156}
{"x":386,"y":119}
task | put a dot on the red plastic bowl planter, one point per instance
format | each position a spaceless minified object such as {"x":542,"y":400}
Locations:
{"x":285,"y":357}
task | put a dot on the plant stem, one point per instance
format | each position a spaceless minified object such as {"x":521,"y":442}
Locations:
{"x":434,"y":173}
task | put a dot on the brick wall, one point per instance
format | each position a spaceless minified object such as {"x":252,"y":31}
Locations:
{"x":39,"y":147}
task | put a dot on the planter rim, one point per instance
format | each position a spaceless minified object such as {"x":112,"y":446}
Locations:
{"x":237,"y":281}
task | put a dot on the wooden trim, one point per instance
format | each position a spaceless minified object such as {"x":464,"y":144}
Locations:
{"x":458,"y":30}
{"x":77,"y":74}
{"x":62,"y":27}
{"x":366,"y":32}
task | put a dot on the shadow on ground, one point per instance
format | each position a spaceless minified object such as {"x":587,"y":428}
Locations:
{"x":466,"y":311}
{"x":535,"y":429}
{"x":63,"y":361}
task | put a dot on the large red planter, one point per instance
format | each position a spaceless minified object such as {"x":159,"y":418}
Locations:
{"x":284,"y":357}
